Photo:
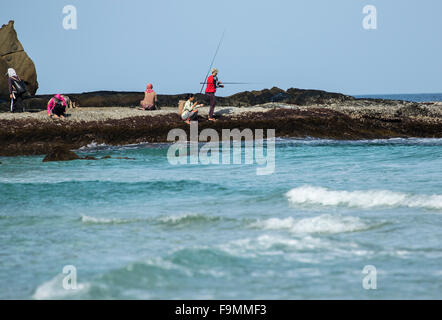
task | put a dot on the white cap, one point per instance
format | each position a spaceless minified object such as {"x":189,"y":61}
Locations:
{"x":11,"y":73}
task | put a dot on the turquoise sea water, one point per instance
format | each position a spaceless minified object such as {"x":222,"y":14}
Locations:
{"x":146,"y":229}
{"x":423,"y":97}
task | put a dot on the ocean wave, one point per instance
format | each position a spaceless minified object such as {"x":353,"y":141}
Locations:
{"x":362,"y":199}
{"x":168,"y":220}
{"x":95,"y":220}
{"x":321,"y":224}
{"x":94,"y":146}
{"x":187,"y":218}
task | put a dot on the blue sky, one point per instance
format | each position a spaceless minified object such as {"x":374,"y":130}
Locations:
{"x":316,"y":44}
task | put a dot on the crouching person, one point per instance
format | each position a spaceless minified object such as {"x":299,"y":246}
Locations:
{"x":57,"y":106}
{"x":190,"y":110}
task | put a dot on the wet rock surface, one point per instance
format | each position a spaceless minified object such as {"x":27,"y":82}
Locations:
{"x":32,"y":137}
{"x":60,"y":153}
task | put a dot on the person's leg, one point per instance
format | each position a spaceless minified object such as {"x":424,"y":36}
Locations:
{"x":12,"y":105}
{"x":58,"y":110}
{"x":19,"y":103}
{"x":194,"y":115}
{"x":212,"y":105}
{"x":185,"y":116}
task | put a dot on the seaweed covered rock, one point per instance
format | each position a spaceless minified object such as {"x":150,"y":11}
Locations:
{"x":13,"y":55}
{"x":60,"y":154}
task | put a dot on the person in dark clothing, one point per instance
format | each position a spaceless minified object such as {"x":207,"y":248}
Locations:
{"x":212,"y":84}
{"x":16,"y":97}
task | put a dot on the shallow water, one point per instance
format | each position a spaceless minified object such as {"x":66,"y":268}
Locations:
{"x":146,"y":229}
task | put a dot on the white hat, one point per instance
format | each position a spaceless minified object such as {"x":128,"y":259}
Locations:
{"x":11,"y":73}
{"x":214,"y":70}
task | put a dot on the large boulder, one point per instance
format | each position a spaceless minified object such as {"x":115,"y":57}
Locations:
{"x":12,"y":55}
{"x":60,"y":154}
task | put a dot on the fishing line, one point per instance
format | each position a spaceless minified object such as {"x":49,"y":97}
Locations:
{"x":213,"y":60}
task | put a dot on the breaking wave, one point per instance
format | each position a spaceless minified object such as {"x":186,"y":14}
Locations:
{"x":95,"y":220}
{"x":321,"y":224}
{"x":170,"y":220}
{"x":362,"y":199}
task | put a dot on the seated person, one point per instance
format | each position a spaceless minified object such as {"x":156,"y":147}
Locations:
{"x":190,"y":111}
{"x":57,"y":106}
{"x":150,"y":99}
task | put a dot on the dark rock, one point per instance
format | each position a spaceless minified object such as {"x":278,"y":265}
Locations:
{"x":89,"y":158}
{"x":303,"y":97}
{"x":60,"y":154}
{"x":125,"y":158}
{"x":12,"y":55}
{"x":106,"y":157}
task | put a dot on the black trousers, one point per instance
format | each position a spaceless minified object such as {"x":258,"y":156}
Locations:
{"x":17,"y":103}
{"x":212,"y":103}
{"x":59,"y":110}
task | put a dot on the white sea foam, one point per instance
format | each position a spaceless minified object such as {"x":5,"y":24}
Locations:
{"x":321,"y":224}
{"x":89,"y":219}
{"x":176,"y":219}
{"x":362,"y":199}
{"x":268,"y":244}
{"x":93,"y":145}
{"x":53,"y":289}
{"x":171,"y":220}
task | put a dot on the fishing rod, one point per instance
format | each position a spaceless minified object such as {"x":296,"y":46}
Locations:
{"x":230,"y":82}
{"x":213,"y":60}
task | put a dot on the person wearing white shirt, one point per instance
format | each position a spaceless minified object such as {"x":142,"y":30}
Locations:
{"x":190,"y":110}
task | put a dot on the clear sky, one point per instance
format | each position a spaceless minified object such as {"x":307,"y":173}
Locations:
{"x":315,"y":44}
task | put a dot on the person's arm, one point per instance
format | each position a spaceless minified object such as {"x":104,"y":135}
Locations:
{"x":219,"y":83}
{"x":10,"y":87}
{"x":50,"y":106}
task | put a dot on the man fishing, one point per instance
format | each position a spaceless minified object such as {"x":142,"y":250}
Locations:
{"x":212,"y":84}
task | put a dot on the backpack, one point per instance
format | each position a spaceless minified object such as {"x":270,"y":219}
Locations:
{"x":181,"y":104}
{"x":19,"y":85}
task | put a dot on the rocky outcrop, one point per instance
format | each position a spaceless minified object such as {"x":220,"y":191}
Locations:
{"x":300,"y":97}
{"x":12,"y":55}
{"x":60,"y":154}
{"x":32,"y":137}
{"x":294,"y":96}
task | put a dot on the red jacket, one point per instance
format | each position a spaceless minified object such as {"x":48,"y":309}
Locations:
{"x":211,"y":85}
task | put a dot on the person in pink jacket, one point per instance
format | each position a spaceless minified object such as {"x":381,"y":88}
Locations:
{"x":57,"y":106}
